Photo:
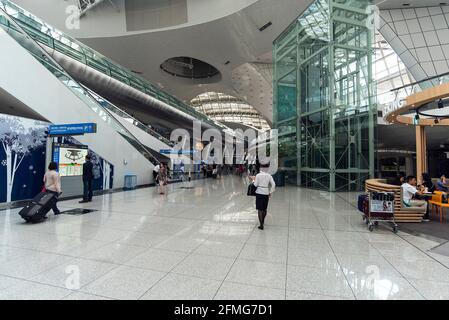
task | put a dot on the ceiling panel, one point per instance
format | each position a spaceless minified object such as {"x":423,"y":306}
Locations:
{"x":395,"y":4}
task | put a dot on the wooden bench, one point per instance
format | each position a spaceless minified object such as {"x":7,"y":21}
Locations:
{"x":401,"y":214}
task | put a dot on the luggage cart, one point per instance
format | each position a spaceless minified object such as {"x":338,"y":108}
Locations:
{"x":380,"y":209}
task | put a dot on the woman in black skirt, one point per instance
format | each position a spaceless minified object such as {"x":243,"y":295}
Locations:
{"x":265,"y":187}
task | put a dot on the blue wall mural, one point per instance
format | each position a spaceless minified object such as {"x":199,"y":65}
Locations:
{"x":22,"y":159}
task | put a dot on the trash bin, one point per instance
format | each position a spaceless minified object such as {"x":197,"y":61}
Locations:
{"x":279,"y":178}
{"x":130,"y":182}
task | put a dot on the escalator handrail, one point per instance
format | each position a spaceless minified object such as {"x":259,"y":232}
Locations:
{"x":51,"y":62}
{"x":112,"y":66}
{"x":124,"y":114}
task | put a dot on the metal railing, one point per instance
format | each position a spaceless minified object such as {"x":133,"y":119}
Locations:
{"x":111,"y":107}
{"x":49,"y":36}
{"x":401,"y":93}
{"x":41,"y":55}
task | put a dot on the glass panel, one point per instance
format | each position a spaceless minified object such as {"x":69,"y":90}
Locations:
{"x":286,"y":97}
{"x":323,"y":79}
{"x":315,"y":147}
{"x":69,"y":51}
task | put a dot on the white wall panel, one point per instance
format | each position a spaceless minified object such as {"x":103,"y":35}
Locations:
{"x":420,"y":36}
{"x":431,"y":38}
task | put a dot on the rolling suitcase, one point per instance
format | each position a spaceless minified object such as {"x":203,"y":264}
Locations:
{"x":361,"y":203}
{"x":37,"y":209}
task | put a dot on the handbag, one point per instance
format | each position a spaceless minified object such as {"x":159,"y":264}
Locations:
{"x":251,"y":190}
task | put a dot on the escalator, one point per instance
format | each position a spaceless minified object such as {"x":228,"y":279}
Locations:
{"x":107,"y":78}
{"x":147,"y":136}
{"x":34,"y":78}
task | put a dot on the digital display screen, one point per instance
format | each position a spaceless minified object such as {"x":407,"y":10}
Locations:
{"x":70,"y":159}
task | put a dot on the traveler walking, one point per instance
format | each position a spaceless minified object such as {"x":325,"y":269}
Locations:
{"x":162,"y":178}
{"x":265,"y":187}
{"x":52,"y":182}
{"x":155,"y":172}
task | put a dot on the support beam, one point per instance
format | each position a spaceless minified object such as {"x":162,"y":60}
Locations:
{"x":421,"y":152}
{"x":86,"y":5}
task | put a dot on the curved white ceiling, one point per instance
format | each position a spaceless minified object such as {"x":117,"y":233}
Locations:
{"x":108,"y":19}
{"x":235,"y":38}
{"x":253,"y":82}
{"x":217,"y":32}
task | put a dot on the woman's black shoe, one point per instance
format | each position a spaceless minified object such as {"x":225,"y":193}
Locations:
{"x":260,"y":227}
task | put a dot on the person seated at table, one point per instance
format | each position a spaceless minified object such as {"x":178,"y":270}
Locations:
{"x":427,"y":183}
{"x":442,"y":184}
{"x":409,"y":192}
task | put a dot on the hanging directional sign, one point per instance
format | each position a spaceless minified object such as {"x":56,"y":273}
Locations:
{"x":72,"y":129}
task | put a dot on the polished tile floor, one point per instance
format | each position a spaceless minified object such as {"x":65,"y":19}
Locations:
{"x":202,"y":243}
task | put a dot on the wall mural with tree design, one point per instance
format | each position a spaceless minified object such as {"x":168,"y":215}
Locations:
{"x":22,"y":156}
{"x":22,"y":159}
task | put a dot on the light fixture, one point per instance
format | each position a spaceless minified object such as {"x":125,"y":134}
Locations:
{"x":265,"y":26}
{"x":417,"y":117}
{"x":437,"y":121}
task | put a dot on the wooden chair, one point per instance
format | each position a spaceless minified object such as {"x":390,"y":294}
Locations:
{"x":437,"y":202}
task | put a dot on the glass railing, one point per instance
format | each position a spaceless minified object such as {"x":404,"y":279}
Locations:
{"x":22,"y":38}
{"x":423,"y":84}
{"x":47,"y":35}
{"x":112,"y":108}
{"x":398,"y":95}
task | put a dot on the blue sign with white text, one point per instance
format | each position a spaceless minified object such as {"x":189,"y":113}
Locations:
{"x":72,"y":129}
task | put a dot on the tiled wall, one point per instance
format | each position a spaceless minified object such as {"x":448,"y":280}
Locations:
{"x":420,"y":36}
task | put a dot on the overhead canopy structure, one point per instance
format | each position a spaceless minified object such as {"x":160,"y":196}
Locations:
{"x":407,"y":112}
{"x":225,"y":108}
{"x":410,"y":112}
